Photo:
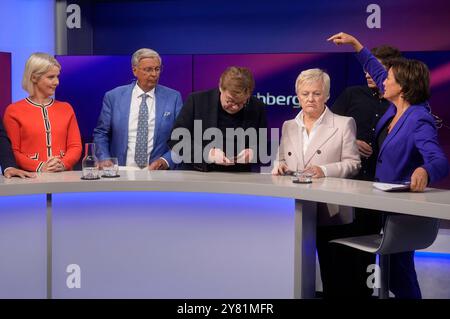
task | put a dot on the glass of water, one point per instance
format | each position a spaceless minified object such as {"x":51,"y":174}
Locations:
{"x":302,"y":176}
{"x":110,"y":167}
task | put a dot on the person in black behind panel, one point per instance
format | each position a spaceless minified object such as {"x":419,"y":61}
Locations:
{"x":7,"y":161}
{"x":229,"y":119}
{"x":366,"y":105}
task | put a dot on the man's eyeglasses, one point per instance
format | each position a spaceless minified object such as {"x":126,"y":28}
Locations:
{"x":156,"y":70}
{"x":233,"y":103}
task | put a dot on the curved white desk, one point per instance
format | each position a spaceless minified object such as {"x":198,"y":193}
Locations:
{"x":432,"y":203}
{"x":299,"y":231}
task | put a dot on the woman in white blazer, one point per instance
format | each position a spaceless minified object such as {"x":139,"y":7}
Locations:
{"x":324,"y":144}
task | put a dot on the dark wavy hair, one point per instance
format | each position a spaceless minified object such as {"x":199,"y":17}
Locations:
{"x":386,"y":53}
{"x":413,"y":77}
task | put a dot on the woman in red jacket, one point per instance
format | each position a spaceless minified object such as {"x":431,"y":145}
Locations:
{"x":44,"y":132}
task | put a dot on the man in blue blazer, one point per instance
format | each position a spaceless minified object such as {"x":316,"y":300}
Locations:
{"x":136,"y":119}
{"x":7,"y":161}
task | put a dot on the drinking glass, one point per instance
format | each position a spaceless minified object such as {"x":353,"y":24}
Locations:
{"x":110,"y":167}
{"x":302,"y":176}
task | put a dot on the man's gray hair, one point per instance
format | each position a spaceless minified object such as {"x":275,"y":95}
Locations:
{"x":313,"y":75}
{"x":142,"y":54}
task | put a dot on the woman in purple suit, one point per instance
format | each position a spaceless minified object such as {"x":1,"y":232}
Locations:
{"x":407,"y":141}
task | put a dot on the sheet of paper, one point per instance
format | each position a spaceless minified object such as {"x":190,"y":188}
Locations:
{"x":386,"y":187}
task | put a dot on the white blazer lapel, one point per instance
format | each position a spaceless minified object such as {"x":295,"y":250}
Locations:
{"x":295,"y":137}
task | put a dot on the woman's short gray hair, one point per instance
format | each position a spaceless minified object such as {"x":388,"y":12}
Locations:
{"x":313,"y":75}
{"x":142,"y":54}
{"x":37,"y":65}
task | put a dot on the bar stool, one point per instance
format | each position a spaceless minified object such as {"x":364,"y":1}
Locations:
{"x":401,"y":233}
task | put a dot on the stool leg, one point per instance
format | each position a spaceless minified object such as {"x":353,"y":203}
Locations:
{"x":384,"y":277}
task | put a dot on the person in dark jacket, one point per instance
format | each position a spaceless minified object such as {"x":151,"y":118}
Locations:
{"x":220,"y":129}
{"x":7,"y":161}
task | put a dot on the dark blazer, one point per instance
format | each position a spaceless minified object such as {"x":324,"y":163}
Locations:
{"x":6,"y":154}
{"x":204,"y":106}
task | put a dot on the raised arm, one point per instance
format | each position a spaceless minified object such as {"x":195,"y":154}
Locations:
{"x":369,"y":63}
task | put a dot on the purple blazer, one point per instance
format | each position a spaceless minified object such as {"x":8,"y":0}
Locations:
{"x":412,"y":143}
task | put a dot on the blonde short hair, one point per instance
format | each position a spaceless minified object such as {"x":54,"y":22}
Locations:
{"x":37,"y":65}
{"x":313,"y":75}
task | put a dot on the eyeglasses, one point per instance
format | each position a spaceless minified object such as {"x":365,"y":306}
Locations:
{"x":156,"y":70}
{"x":231,"y":102}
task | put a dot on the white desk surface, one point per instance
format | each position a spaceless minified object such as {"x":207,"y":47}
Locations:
{"x":431,"y":203}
